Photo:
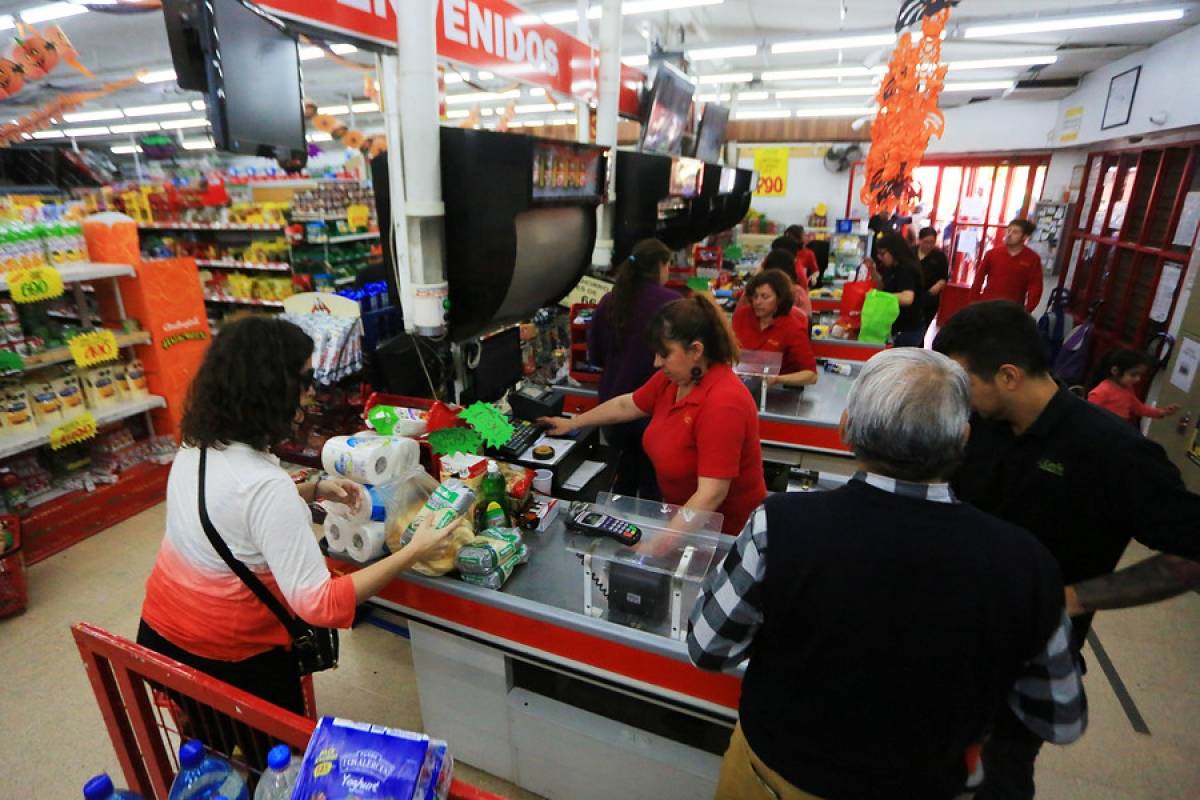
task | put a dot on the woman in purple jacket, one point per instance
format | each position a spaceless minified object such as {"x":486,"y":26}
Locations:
{"x":618,"y":342}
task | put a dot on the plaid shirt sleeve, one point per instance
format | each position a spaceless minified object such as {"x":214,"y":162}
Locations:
{"x":1048,"y":696}
{"x":727,"y":615}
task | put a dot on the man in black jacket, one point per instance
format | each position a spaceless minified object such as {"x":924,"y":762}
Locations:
{"x":889,"y":623}
{"x":1075,"y":476}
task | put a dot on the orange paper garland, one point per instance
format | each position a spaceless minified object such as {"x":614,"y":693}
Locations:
{"x":907,"y":119}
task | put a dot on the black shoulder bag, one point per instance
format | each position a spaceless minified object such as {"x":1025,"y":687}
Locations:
{"x":316,"y":649}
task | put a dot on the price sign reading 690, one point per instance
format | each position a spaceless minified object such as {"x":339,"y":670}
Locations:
{"x":35,"y":285}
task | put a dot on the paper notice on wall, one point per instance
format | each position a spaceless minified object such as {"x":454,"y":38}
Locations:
{"x":1189,"y":220}
{"x":1186,"y":365}
{"x":1072,"y":120}
{"x":588,"y":291}
{"x":1168,"y":282}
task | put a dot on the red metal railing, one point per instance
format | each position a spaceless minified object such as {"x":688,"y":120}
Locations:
{"x":147,"y":698}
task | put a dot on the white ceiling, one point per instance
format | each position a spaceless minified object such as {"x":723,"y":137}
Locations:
{"x":115,"y":46}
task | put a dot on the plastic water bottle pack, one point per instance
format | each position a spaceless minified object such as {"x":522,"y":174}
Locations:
{"x":279,"y":778}
{"x":101,"y":788}
{"x":205,"y":777}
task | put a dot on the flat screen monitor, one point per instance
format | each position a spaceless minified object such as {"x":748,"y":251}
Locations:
{"x":251,"y":75}
{"x":670,"y":107}
{"x":711,"y":137}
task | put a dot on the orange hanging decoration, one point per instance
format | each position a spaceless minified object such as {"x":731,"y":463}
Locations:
{"x":908,"y":115}
{"x":352,"y":139}
{"x":57,"y":40}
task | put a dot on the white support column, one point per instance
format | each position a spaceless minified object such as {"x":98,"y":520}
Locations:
{"x":607,"y":114}
{"x":583,"y":117}
{"x":389,"y":70}
{"x":419,"y":144}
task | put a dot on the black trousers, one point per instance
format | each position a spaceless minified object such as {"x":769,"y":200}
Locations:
{"x":271,"y":675}
{"x":635,"y":471}
{"x":1008,"y":759}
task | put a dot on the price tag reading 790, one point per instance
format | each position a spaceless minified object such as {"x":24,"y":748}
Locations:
{"x":35,"y":285}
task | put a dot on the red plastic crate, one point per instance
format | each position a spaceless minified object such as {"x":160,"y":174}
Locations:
{"x":14,"y":589}
{"x":578,"y":351}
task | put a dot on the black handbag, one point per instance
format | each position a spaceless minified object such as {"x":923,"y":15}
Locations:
{"x":315,"y":648}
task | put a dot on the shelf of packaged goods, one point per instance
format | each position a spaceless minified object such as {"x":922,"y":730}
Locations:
{"x":210,"y":226}
{"x":61,"y":355}
{"x":79,"y":271}
{"x":22,"y":442}
{"x":243,"y":301}
{"x":269,"y":266}
{"x":350,"y":237}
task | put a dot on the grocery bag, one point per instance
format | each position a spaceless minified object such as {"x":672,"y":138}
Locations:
{"x":854,"y":293}
{"x":879,"y":311}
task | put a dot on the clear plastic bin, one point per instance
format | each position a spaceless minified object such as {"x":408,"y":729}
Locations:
{"x":754,"y":367}
{"x":653,"y":585}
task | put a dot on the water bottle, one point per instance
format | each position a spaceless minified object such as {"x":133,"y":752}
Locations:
{"x":280,"y":777}
{"x":205,"y":777}
{"x":101,"y":788}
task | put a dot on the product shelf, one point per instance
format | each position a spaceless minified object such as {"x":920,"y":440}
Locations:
{"x":208,"y":226}
{"x":258,"y":266}
{"x":79,"y":271}
{"x":61,"y":355}
{"x":243,"y":301}
{"x":350,"y":237}
{"x":19,"y":444}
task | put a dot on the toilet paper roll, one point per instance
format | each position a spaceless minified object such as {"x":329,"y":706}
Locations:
{"x":366,"y":508}
{"x":367,"y":542}
{"x":369,"y":460}
{"x":338,"y":531}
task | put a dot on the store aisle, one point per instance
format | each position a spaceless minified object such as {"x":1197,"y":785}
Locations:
{"x":46,"y":704}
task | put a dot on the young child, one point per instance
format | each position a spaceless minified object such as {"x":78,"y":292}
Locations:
{"x":1120,"y":371}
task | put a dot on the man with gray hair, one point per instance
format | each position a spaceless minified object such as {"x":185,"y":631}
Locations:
{"x":890,"y":622}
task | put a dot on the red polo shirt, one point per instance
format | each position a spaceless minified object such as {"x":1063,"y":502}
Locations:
{"x":710,"y":433}
{"x":1017,"y":278}
{"x":787,"y":334}
{"x":806,"y":265}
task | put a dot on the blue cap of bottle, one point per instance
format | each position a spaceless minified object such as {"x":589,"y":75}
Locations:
{"x":98,"y":788}
{"x":279,"y":757}
{"x":191,"y":754}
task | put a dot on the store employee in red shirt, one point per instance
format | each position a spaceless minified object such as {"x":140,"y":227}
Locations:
{"x":1012,"y":271}
{"x":703,"y":435}
{"x":766,"y":321}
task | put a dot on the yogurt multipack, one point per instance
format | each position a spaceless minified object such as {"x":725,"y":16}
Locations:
{"x":357,"y":761}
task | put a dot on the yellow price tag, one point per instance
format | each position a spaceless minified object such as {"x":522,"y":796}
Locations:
{"x":77,"y":430}
{"x":96,"y":347}
{"x":35,"y":285}
{"x":358,"y":217}
{"x":588,"y":291}
{"x":771,"y":164}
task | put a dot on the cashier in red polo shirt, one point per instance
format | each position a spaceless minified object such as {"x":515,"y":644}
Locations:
{"x":703,"y":433}
{"x":766,"y":321}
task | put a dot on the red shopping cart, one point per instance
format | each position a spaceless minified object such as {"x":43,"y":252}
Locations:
{"x":147,"y":699}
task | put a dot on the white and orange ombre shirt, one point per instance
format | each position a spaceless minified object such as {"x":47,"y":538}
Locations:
{"x":195,"y":601}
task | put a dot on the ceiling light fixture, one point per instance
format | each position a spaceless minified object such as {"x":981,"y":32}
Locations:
{"x":721,"y":53}
{"x":713,"y":98}
{"x":76,"y":133}
{"x":333,"y":111}
{"x":311,"y":53}
{"x":180,"y":124}
{"x":343,"y":49}
{"x":199,"y":144}
{"x":164,"y":108}
{"x":1072,"y":23}
{"x":50,"y":12}
{"x":158,"y":76}
{"x":484,"y":75}
{"x":842,"y":111}
{"x":765,"y":113}
{"x":198,"y":105}
{"x":835,"y":91}
{"x":636,"y":61}
{"x":482,"y":97}
{"x":94,"y":116}
{"x":536,"y":108}
{"x":1001,"y":63}
{"x":365,"y":108}
{"x":137,"y":127}
{"x":836,"y":43}
{"x":818,"y":73}
{"x":978,"y":86}
{"x":752,"y":96}
{"x":7,"y":23}
{"x":630,"y":7}
{"x":125,"y":149}
{"x":458,"y":113}
{"x":726,"y":77}
{"x":320,"y":136}
{"x":49,"y":135}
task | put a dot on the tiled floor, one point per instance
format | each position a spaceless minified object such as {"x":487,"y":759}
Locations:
{"x":52,"y":738}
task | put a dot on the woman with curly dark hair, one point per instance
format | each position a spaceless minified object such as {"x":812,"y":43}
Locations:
{"x":243,"y":400}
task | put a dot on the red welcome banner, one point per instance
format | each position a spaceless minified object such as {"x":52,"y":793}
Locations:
{"x":492,"y":35}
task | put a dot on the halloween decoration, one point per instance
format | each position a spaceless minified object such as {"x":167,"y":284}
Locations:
{"x":352,"y":139}
{"x":908,"y":115}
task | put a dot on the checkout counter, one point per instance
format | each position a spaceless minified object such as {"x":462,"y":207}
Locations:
{"x":529,"y":686}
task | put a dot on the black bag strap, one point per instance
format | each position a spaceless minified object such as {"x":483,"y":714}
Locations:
{"x":296,"y":629}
